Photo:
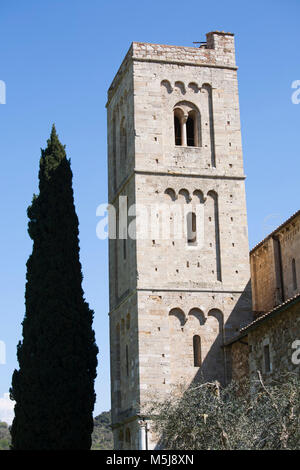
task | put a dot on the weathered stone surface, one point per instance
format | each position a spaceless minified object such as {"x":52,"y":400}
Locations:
{"x":279,"y":332}
{"x":174,"y":290}
{"x":275,"y":274}
{"x":275,"y":266}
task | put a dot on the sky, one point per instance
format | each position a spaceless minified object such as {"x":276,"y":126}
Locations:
{"x":58,"y":58}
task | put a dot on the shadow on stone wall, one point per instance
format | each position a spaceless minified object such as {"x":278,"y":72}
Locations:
{"x":217,"y":363}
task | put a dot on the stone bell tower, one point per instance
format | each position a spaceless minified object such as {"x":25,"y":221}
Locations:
{"x":174,"y":149}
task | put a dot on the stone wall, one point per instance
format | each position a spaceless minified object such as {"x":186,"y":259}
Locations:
{"x":263,"y":276}
{"x":275,"y":266}
{"x":239,"y":352}
{"x":279,"y":332}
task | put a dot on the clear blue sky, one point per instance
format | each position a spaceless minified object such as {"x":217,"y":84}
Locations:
{"x":58,"y":58}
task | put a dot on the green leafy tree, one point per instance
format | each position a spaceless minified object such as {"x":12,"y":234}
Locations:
{"x":102,"y":434}
{"x":54,"y":386}
{"x":4,"y":436}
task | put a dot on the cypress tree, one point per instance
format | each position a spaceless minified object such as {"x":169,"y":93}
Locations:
{"x":54,"y":386}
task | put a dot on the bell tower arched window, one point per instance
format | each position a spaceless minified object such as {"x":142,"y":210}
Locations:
{"x":187,"y":125}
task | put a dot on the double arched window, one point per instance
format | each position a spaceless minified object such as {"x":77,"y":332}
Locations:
{"x":187,"y":129}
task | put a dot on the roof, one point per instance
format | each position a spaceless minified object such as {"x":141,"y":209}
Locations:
{"x":276,"y":230}
{"x":266,"y":316}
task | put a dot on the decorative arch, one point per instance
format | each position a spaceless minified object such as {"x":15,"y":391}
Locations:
{"x":198,"y":194}
{"x":179,"y":86}
{"x":178,"y":313}
{"x":193,"y":86}
{"x":206,"y":86}
{"x":198,"y":314}
{"x":185,"y":194}
{"x":166,"y":86}
{"x":170,"y":193}
{"x":218,"y":315}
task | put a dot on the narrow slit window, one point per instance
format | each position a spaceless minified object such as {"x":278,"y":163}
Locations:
{"x":294,"y":271}
{"x":267,"y":360}
{"x":191,"y":228}
{"x":127,"y":361}
{"x":197,"y":350}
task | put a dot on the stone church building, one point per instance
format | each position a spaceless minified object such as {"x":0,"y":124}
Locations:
{"x":179,"y":304}
{"x":270,"y":342}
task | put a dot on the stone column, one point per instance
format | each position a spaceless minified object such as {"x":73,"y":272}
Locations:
{"x":183,"y":130}
{"x":142,"y":435}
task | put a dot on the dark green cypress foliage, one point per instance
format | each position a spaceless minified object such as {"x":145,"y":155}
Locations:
{"x":54,"y":386}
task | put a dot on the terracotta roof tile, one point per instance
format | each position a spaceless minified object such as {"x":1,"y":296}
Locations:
{"x":243,"y":331}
